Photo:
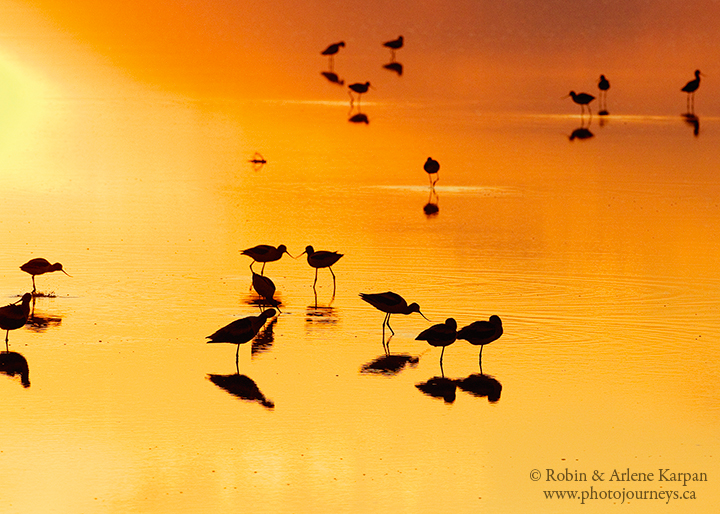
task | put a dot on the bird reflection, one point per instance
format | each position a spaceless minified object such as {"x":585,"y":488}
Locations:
{"x":13,"y":364}
{"x":320,"y":314}
{"x":481,"y":385}
{"x":580,"y":133}
{"x":40,"y":323}
{"x":389,"y":364}
{"x":14,"y":316}
{"x":694,"y":122}
{"x":359,"y":118}
{"x":265,"y":339}
{"x":431,"y":208}
{"x":258,"y":161}
{"x":439,"y":387}
{"x":265,"y":288}
{"x":332,"y":77}
{"x":394,"y":66}
{"x":243,"y":387}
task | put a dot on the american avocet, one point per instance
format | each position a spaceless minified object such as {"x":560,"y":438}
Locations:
{"x":40,"y":266}
{"x":14,"y":316}
{"x":321,"y":259}
{"x":241,"y":331}
{"x":442,"y":334}
{"x":390,"y":303}
{"x":481,"y":333}
{"x":264,"y":254}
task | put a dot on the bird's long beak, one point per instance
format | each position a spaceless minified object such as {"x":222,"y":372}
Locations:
{"x":298,"y":255}
{"x":66,"y":273}
{"x":423,"y":315}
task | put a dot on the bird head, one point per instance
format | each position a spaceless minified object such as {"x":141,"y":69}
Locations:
{"x":58,"y":267}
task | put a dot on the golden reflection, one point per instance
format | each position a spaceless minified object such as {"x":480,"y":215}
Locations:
{"x":243,"y":387}
{"x":41,"y":322}
{"x":390,"y":364}
{"x":432,"y":207}
{"x":481,"y":385}
{"x":439,"y":387}
{"x":241,"y":331}
{"x":13,"y":364}
{"x":265,"y":287}
{"x":694,"y":122}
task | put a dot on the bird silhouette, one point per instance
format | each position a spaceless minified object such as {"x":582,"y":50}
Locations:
{"x":481,"y":333}
{"x":264,"y":254}
{"x":360,"y":88}
{"x":241,"y":331}
{"x":40,"y":266}
{"x":395,"y":44}
{"x":243,"y":387}
{"x":321,"y":259}
{"x":442,"y":334}
{"x":690,"y":89}
{"x":330,"y":51}
{"x":390,"y":303}
{"x":12,"y":363}
{"x":432,"y":167}
{"x":14,"y":316}
{"x":266,"y":289}
{"x":603,"y":86}
{"x":582,"y":99}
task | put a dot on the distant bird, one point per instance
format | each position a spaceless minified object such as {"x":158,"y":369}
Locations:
{"x":690,"y":89}
{"x":359,"y":88}
{"x":390,"y":303}
{"x":432,"y":167}
{"x":321,"y":259}
{"x":331,"y":50}
{"x":40,"y":266}
{"x":443,"y":334}
{"x":264,"y":254}
{"x":265,"y":288}
{"x":582,"y":99}
{"x":395,"y":44}
{"x":258,"y":161}
{"x":241,"y":331}
{"x":603,"y":86}
{"x":14,"y":316}
{"x":481,"y":333}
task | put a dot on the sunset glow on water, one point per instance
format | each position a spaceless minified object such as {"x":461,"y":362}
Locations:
{"x":126,"y":139}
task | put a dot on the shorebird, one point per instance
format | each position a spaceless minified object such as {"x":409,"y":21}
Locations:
{"x":265,"y":288}
{"x":432,"y":167}
{"x":321,"y":259}
{"x":690,"y":89}
{"x":481,"y":333}
{"x":442,"y":334}
{"x":390,"y":303}
{"x":603,"y":86}
{"x":241,"y":331}
{"x":264,"y":254}
{"x":360,"y":88}
{"x":395,"y":44}
{"x":14,"y":316}
{"x":331,"y":50}
{"x":582,"y":99}
{"x":40,"y":266}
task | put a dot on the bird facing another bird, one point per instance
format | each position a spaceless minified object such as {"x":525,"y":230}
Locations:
{"x":264,"y":254}
{"x":390,"y":303}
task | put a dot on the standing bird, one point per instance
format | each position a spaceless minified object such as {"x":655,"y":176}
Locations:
{"x":360,"y":89}
{"x":443,"y":334}
{"x":40,"y":266}
{"x":265,"y":288}
{"x":264,"y":254}
{"x":603,"y":86}
{"x":482,"y":333}
{"x":321,"y":259}
{"x":395,"y":44}
{"x":582,"y":99}
{"x":690,"y":89}
{"x":14,"y":316}
{"x":331,"y":50}
{"x":390,"y":303}
{"x":432,"y":167}
{"x":241,"y":331}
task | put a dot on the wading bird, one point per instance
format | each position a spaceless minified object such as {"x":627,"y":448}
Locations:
{"x":321,"y":259}
{"x":442,"y":334}
{"x":390,"y":303}
{"x":241,"y":331}
{"x":481,"y":333}
{"x":14,"y":316}
{"x":432,"y":167}
{"x":264,"y":254}
{"x":690,"y":89}
{"x":603,"y":86}
{"x":40,"y":266}
{"x":265,"y":288}
{"x":582,"y":99}
{"x":395,"y":44}
{"x":360,"y":89}
{"x":331,"y":50}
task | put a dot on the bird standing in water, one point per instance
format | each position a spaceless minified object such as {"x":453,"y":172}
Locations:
{"x":582,"y":99}
{"x":442,"y":334}
{"x":14,"y":316}
{"x":265,"y":288}
{"x":321,"y":259}
{"x":359,"y":88}
{"x":331,"y":50}
{"x":432,"y":167}
{"x":390,"y":303}
{"x":481,"y":333}
{"x":690,"y":89}
{"x":241,"y":331}
{"x":395,"y":44}
{"x":603,"y":86}
{"x":40,"y":266}
{"x":264,"y":254}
